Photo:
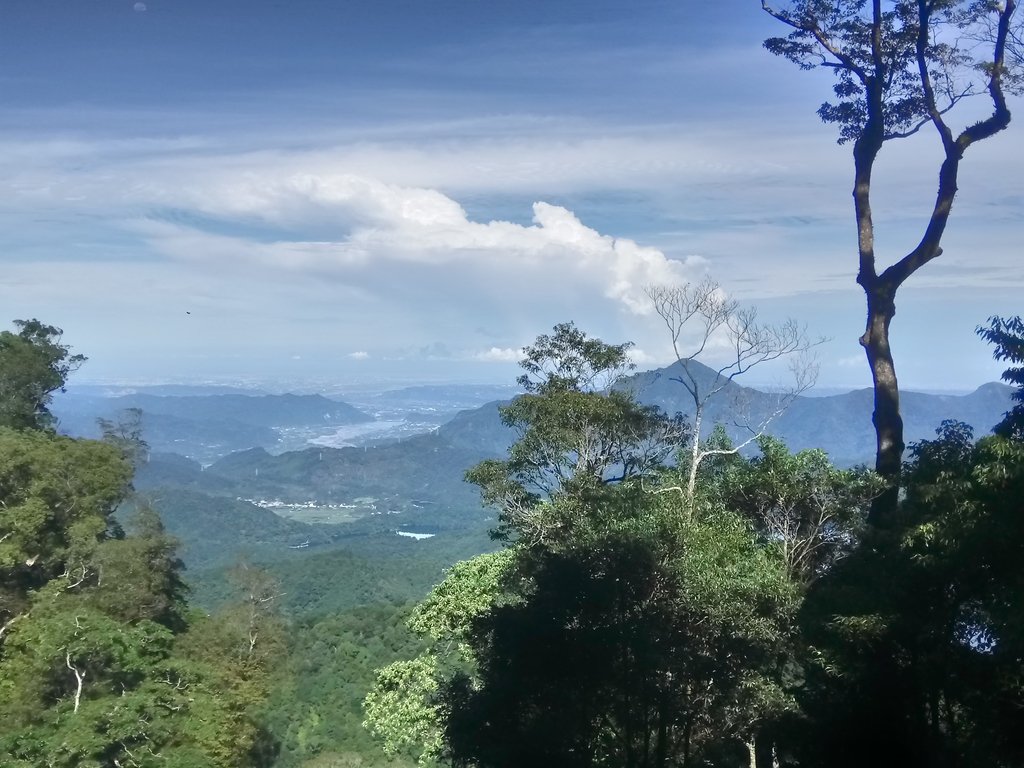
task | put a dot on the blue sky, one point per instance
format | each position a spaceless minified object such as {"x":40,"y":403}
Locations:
{"x":357,"y":189}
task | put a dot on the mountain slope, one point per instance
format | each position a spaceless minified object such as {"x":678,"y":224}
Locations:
{"x":260,"y":410}
{"x":839,"y":424}
{"x":206,"y":427}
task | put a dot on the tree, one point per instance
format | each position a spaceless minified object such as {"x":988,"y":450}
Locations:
{"x":812,"y":515}
{"x":807,"y":515}
{"x":1008,"y":338}
{"x":126,"y":432}
{"x":801,"y":504}
{"x":613,"y":630}
{"x":918,"y":636}
{"x":95,"y":667}
{"x":577,"y":436}
{"x":900,"y":66}
{"x":403,"y":709}
{"x":652,"y":644}
{"x":237,"y":648}
{"x":58,"y":496}
{"x":703,"y":312}
{"x":33,"y":365}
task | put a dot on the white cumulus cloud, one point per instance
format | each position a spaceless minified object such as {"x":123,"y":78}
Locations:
{"x":375,"y":227}
{"x":499,"y":355}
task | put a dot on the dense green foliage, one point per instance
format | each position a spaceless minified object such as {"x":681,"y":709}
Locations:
{"x":317,"y":708}
{"x":576,"y":437}
{"x":767,"y":622}
{"x":618,"y":622}
{"x":666,"y":633}
{"x":917,"y":636}
{"x":668,"y":627}
{"x":916,"y":640}
{"x":1008,"y":337}
{"x":33,"y":365}
{"x":801,"y":504}
{"x":101,"y":663}
{"x":402,"y":708}
{"x":57,"y":496}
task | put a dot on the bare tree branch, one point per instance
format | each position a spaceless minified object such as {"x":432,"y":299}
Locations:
{"x":8,"y":624}
{"x":701,"y":314}
{"x":79,"y":678}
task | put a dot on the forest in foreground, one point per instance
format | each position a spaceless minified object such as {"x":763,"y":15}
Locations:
{"x":623,"y":614}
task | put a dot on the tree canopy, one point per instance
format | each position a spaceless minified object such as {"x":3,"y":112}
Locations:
{"x":1007,"y":335}
{"x":99,"y":661}
{"x":669,"y":623}
{"x":33,"y":365}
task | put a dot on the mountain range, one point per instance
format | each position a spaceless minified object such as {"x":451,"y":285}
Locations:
{"x":221,"y":473}
{"x":838,"y":424}
{"x":416,"y":484}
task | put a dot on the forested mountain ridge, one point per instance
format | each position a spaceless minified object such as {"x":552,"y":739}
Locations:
{"x":418,"y":483}
{"x":207,"y":426}
{"x":264,"y":410}
{"x":841,"y":424}
{"x":426,"y":468}
{"x":838,"y":424}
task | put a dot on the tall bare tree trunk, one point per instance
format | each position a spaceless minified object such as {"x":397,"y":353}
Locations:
{"x":691,"y":481}
{"x":881,"y":297}
{"x":886,"y":417}
{"x":763,"y":751}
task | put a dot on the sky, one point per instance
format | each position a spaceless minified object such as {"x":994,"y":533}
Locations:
{"x":357,"y":190}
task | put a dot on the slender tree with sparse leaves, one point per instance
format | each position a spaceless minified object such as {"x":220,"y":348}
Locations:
{"x":902,"y":67}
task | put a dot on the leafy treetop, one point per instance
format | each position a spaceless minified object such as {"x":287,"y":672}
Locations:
{"x":33,"y":365}
{"x":914,"y":60}
{"x":1008,"y":337}
{"x":568,"y":360}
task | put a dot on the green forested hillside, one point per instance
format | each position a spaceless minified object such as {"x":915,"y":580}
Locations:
{"x":102,"y":661}
{"x":426,"y":467}
{"x":266,"y":611}
{"x":317,"y":709}
{"x":216,"y":530}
